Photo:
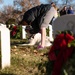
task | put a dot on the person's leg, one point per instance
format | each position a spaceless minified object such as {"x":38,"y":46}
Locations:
{"x":43,"y":36}
{"x":47,"y":18}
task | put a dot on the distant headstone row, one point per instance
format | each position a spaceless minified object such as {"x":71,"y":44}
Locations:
{"x":66,"y":22}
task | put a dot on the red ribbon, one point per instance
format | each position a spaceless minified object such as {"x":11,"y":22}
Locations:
{"x":60,"y":44}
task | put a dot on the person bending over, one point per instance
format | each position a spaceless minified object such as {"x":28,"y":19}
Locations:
{"x":39,"y":18}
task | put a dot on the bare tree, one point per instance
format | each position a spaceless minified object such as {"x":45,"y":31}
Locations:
{"x":6,"y":13}
{"x":20,"y":6}
{"x":25,"y":4}
{"x":63,"y":2}
{"x":7,"y":9}
{"x":67,"y":2}
{"x":56,"y":1}
{"x":1,"y":1}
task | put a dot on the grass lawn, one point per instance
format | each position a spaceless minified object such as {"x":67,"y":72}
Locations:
{"x":27,"y":60}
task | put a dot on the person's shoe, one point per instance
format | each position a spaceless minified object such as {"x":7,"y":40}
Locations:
{"x":40,"y":47}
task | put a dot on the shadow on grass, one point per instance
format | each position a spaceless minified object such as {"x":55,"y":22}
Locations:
{"x":16,"y":43}
{"x":19,"y":41}
{"x":49,"y":68}
{"x":7,"y":74}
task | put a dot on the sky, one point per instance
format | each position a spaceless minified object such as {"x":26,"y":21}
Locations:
{"x":10,"y":2}
{"x":43,"y":1}
{"x":6,"y":2}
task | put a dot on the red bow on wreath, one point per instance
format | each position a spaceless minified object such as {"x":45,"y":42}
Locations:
{"x":60,"y":51}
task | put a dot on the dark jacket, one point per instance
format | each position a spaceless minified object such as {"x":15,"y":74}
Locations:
{"x":35,"y":16}
{"x":63,"y":12}
{"x":70,"y":12}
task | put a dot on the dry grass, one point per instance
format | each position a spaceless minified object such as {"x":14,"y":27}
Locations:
{"x":27,"y":60}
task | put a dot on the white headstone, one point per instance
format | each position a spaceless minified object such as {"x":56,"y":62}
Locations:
{"x":51,"y":33}
{"x":23,"y":32}
{"x":2,"y":25}
{"x":66,"y":22}
{"x":4,"y":47}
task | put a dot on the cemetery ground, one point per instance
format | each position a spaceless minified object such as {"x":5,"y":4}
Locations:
{"x":27,"y":60}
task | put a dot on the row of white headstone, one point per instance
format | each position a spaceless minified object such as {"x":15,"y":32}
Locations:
{"x":5,"y":55}
{"x":24,"y":33}
{"x":5,"y":45}
{"x":66,"y":22}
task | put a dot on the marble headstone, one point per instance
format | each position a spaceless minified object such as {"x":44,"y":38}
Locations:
{"x":23,"y":32}
{"x":4,"y":47}
{"x":66,"y":22}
